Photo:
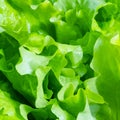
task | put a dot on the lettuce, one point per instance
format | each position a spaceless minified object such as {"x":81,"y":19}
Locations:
{"x":59,"y":60}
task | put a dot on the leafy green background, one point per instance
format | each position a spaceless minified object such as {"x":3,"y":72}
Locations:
{"x":59,"y":59}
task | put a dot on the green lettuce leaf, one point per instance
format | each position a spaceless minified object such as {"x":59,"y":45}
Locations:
{"x":108,"y":72}
{"x":70,"y":102}
{"x":59,"y":59}
{"x":11,"y":102}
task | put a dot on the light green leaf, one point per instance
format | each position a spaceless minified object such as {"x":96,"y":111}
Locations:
{"x":106,"y":63}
